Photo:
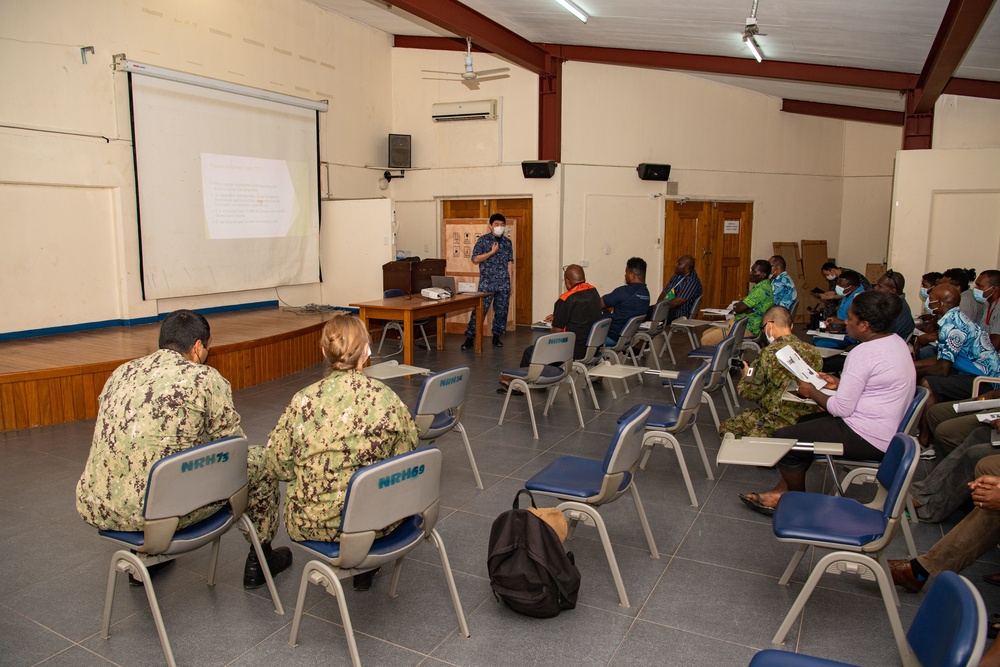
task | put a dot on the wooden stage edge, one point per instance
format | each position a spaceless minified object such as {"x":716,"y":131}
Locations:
{"x":248,"y":348}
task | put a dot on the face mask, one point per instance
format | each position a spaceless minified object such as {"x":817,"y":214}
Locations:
{"x":928,"y":302}
{"x":979,"y":295}
{"x":924,"y":292}
{"x":770,"y":338}
{"x":830,"y":278}
{"x":368,"y":353}
{"x":498,"y":231}
{"x":839,"y":290}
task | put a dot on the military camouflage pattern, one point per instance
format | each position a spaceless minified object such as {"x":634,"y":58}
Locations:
{"x":331,"y":429}
{"x":765,"y":386}
{"x":150,"y":408}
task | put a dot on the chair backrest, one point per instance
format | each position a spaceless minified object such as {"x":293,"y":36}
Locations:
{"x":949,"y":627}
{"x":383,"y":493}
{"x":626,"y":444}
{"x":720,"y":363}
{"x":793,"y":310}
{"x":183,"y":482}
{"x":659,"y":317}
{"x":596,"y":339}
{"x":690,"y":399}
{"x":739,"y":329}
{"x":628,"y":333}
{"x":554,"y":348}
{"x":896,"y":472}
{"x":389,"y":293}
{"x":911,"y":417}
{"x":441,"y":392}
{"x":695,"y":306}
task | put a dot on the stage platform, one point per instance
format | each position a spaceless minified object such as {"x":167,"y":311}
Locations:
{"x":56,"y":379}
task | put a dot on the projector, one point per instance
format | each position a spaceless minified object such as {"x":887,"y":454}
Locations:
{"x":435,"y":293}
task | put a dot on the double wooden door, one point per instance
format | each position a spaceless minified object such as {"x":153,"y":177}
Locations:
{"x":718,"y":236}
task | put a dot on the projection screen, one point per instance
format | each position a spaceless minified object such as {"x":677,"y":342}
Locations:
{"x":227,"y":187}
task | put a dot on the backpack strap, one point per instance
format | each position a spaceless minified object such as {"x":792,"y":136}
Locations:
{"x":530,"y":497}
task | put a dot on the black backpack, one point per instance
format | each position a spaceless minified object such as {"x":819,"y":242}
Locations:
{"x":529,"y":568}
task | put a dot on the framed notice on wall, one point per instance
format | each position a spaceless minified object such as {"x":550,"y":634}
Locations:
{"x":731,"y":227}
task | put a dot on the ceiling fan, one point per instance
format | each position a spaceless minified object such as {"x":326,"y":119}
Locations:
{"x":470,"y":77}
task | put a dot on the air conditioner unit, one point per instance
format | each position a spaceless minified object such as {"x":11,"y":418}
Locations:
{"x":477,"y":110}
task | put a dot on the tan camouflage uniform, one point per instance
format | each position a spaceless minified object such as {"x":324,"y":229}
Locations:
{"x":150,"y":408}
{"x":331,"y":429}
{"x":765,"y":386}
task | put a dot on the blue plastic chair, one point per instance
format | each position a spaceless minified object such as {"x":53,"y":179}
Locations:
{"x":719,"y":377}
{"x":178,"y":485}
{"x":586,"y":484}
{"x":738,"y":332}
{"x":949,"y":630}
{"x":666,"y":421}
{"x":858,"y":533}
{"x":405,"y":488}
{"x":649,"y":330}
{"x":397,"y":325}
{"x":439,"y":409}
{"x":596,"y":340}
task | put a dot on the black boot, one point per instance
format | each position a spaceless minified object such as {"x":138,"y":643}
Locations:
{"x":152,"y":569}
{"x":496,"y":341}
{"x":278,"y":560}
{"x":469,"y":343}
{"x":363,"y":581}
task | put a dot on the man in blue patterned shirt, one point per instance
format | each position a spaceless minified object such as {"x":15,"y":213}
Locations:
{"x":784,"y":290}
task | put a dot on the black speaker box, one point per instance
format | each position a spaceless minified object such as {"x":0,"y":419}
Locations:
{"x":399,"y":151}
{"x":538,"y":168}
{"x":654,"y":172}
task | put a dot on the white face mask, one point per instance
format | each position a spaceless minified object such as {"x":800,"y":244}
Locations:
{"x":770,"y":338}
{"x":367,"y":354}
{"x":498,"y":231}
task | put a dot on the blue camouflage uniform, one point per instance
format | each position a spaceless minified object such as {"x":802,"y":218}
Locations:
{"x":494,"y":279}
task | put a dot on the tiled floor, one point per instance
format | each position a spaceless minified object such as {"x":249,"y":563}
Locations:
{"x":711,"y":599}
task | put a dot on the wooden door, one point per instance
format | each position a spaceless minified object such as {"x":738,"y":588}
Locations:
{"x":718,"y":236}
{"x":519,"y":220}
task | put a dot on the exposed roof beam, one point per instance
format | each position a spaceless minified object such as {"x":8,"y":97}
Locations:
{"x":842,"y":112}
{"x":769,"y":69}
{"x":962,"y":21}
{"x":456,"y":18}
{"x":973,"y":88}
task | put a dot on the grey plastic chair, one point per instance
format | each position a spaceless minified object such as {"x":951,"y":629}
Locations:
{"x":439,"y":409}
{"x":678,"y":326}
{"x":397,"y":325}
{"x":718,"y":378}
{"x":595,"y":349}
{"x":404,"y":489}
{"x":622,"y":349}
{"x":542,"y":373}
{"x":178,"y":485}
{"x":647,"y":334}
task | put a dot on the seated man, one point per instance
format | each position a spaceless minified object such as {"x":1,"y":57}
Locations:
{"x":753,"y":305}
{"x":961,"y":278}
{"x":159,"y":405}
{"x":784,"y":290}
{"x":946,"y":429}
{"x":766,"y":379}
{"x":683,"y":288}
{"x":575,"y":310}
{"x":986,"y":292}
{"x":848,"y":287}
{"x":946,"y":488}
{"x":629,"y":300}
{"x":831,"y":300}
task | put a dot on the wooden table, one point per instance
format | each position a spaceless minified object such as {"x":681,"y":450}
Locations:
{"x":406,"y":309}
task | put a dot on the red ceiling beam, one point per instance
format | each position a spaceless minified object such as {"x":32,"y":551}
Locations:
{"x":463,"y":21}
{"x":989,"y":90}
{"x":962,"y":21}
{"x":842,"y":112}
{"x":769,"y":69}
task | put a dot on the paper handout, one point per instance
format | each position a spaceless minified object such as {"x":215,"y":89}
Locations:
{"x":797,"y":366}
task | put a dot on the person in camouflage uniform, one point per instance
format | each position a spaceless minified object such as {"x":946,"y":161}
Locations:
{"x":158,"y":405}
{"x":766,"y":380}
{"x":330,"y":430}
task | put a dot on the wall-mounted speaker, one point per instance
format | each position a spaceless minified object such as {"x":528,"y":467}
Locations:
{"x":399,"y":151}
{"x":538,"y":168}
{"x":654,"y":172}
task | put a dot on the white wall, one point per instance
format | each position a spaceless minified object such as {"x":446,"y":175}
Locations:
{"x":67,"y":203}
{"x":966,"y":122}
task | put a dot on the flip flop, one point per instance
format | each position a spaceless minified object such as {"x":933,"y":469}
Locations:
{"x":992,"y":578}
{"x":752,"y":500}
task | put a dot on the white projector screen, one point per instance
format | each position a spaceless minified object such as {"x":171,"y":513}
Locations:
{"x":227,"y":188}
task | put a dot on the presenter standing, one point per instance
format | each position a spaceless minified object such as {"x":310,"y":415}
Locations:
{"x":494,"y":255}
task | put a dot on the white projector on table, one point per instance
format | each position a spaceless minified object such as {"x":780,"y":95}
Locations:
{"x":435,"y":293}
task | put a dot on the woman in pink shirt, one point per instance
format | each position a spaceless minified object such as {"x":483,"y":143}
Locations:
{"x":873,"y":392}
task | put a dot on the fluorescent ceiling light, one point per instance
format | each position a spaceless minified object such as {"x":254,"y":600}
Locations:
{"x":574,"y":10}
{"x":754,"y":49}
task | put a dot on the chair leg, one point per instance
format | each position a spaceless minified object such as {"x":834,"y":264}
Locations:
{"x":729,"y":404}
{"x":701,"y":450}
{"x":801,"y":600}
{"x":320,"y":573}
{"x":590,"y":386}
{"x":127,"y":562}
{"x":576,"y":402}
{"x":385,"y":330}
{"x":833,"y":475}
{"x":732,"y":391}
{"x":423,"y":332}
{"x":653,"y":553}
{"x":550,"y":396}
{"x":794,"y":563}
{"x":705,"y":398}
{"x":911,"y":510}
{"x":668,"y":348}
{"x":527,"y":395}
{"x":450,"y":578}
{"x":911,"y":546}
{"x":585,"y":512}
{"x":649,"y":440}
{"x":397,"y":570}
{"x":247,"y":528}
{"x":213,"y":561}
{"x":468,"y":450}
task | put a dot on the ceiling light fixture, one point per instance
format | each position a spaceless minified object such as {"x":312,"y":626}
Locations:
{"x":574,"y":10}
{"x":750,"y":30}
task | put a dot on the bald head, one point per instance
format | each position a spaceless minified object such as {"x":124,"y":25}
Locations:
{"x":944,"y":297}
{"x":574,"y":275}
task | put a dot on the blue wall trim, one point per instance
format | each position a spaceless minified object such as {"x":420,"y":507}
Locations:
{"x":106,"y":324}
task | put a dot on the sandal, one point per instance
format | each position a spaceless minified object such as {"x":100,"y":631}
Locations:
{"x":994,"y":626}
{"x":753,"y":501}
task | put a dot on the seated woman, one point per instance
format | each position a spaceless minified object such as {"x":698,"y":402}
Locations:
{"x":332,"y":428}
{"x":873,"y":393}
